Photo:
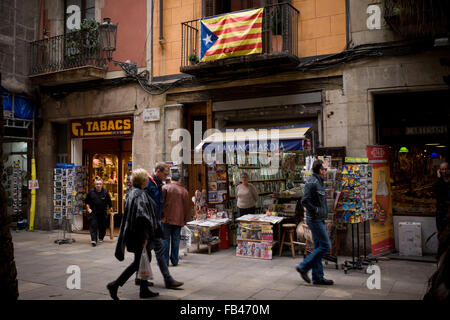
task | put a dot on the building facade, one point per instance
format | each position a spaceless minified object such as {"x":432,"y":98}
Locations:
{"x":337,"y":65}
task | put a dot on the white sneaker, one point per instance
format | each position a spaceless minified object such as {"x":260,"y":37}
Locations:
{"x":93,"y":243}
{"x":100,"y":241}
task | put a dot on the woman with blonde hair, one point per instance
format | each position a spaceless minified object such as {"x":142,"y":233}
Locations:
{"x":138,"y":229}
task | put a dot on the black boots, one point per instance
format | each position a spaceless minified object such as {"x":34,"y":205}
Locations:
{"x":145,"y":292}
{"x":112,"y":288}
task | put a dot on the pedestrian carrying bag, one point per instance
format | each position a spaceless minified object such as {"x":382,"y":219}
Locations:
{"x":145,"y":270}
{"x":185,"y":236}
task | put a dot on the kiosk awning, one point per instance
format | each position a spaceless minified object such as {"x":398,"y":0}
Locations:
{"x":289,"y":139}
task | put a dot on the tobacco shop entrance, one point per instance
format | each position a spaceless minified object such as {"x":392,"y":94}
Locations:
{"x":105,"y":154}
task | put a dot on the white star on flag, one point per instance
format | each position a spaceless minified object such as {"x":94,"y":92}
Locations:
{"x":207,"y":39}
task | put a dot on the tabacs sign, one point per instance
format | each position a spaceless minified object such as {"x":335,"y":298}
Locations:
{"x":122,"y":126}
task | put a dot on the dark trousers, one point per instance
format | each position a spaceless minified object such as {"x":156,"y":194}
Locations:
{"x":243,"y":212}
{"x":159,"y":247}
{"x":98,"y":222}
{"x":171,"y":242}
{"x":441,"y":219}
{"x":132,"y":268}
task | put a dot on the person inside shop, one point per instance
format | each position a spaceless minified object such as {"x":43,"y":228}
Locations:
{"x":176,"y":212}
{"x":246,"y":196}
{"x":154,"y":190}
{"x":139,"y":229}
{"x":97,"y":201}
{"x":441,"y":190}
{"x":314,"y":200}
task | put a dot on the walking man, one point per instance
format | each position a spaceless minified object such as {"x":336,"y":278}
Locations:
{"x":314,"y":200}
{"x":154,"y":189}
{"x":441,"y":190}
{"x":176,"y":211}
{"x":97,"y":201}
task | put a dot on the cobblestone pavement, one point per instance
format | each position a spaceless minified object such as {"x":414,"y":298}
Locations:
{"x":42,"y":264}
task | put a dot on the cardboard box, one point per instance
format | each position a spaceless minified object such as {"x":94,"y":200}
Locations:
{"x":410,"y":238}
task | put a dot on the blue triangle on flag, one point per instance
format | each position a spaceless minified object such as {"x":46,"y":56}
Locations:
{"x":207,"y":39}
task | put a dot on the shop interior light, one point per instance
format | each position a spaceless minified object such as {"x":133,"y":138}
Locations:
{"x":432,"y":144}
{"x":434,"y":155}
{"x":403,"y":149}
{"x":441,"y":147}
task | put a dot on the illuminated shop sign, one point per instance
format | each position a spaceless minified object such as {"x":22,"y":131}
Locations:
{"x":122,"y":126}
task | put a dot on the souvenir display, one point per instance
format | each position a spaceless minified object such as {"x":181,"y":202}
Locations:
{"x":16,"y":188}
{"x":217,"y":184}
{"x":356,"y":193}
{"x":69,"y":185}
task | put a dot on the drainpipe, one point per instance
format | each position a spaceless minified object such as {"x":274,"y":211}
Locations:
{"x":161,"y":21}
{"x":33,"y":177}
{"x":151,"y":45}
{"x":163,"y":136}
{"x":161,"y":36}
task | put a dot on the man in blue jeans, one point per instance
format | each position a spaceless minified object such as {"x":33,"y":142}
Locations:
{"x":315,"y":202}
{"x":176,"y":212}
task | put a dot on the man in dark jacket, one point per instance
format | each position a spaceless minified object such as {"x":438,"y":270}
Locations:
{"x":314,"y":200}
{"x":441,"y":190}
{"x":97,"y":201}
{"x":154,"y":190}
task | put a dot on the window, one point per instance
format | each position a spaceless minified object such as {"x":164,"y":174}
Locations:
{"x":76,"y":11}
{"x":214,"y":7}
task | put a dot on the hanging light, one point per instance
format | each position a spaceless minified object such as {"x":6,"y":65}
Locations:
{"x":403,"y":149}
{"x":108,"y":37}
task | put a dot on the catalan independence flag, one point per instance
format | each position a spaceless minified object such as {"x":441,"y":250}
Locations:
{"x":231,"y":35}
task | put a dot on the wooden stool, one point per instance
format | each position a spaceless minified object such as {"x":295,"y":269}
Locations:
{"x":289,"y":228}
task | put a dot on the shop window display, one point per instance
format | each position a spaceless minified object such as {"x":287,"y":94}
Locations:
{"x":105,"y":166}
{"x":412,"y":178}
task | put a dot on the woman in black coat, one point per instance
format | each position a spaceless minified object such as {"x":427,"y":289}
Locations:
{"x":137,"y":230}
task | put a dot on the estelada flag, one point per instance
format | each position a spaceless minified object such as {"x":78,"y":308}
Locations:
{"x":231,"y":35}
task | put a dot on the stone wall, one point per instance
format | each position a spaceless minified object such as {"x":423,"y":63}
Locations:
{"x":125,"y":100}
{"x":19,"y":25}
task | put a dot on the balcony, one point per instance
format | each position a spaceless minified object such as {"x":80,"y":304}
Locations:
{"x":417,"y":18}
{"x":279,"y":45}
{"x":69,"y":58}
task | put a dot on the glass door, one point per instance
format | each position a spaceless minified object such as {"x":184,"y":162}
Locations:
{"x":106,"y":167}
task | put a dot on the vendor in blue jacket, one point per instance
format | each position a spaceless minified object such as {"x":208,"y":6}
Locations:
{"x":315,"y":202}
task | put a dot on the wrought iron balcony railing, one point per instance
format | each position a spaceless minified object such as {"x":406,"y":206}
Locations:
{"x":279,"y":33}
{"x":68,"y":51}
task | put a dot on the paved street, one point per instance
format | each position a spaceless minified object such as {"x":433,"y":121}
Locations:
{"x":42,"y":264}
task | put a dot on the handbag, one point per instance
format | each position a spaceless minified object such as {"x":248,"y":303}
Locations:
{"x":145,"y":270}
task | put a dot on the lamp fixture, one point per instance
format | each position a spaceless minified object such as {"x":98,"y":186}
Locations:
{"x":108,"y":37}
{"x":403,"y":149}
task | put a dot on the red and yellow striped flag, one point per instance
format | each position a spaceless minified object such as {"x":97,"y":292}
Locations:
{"x":231,"y":35}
